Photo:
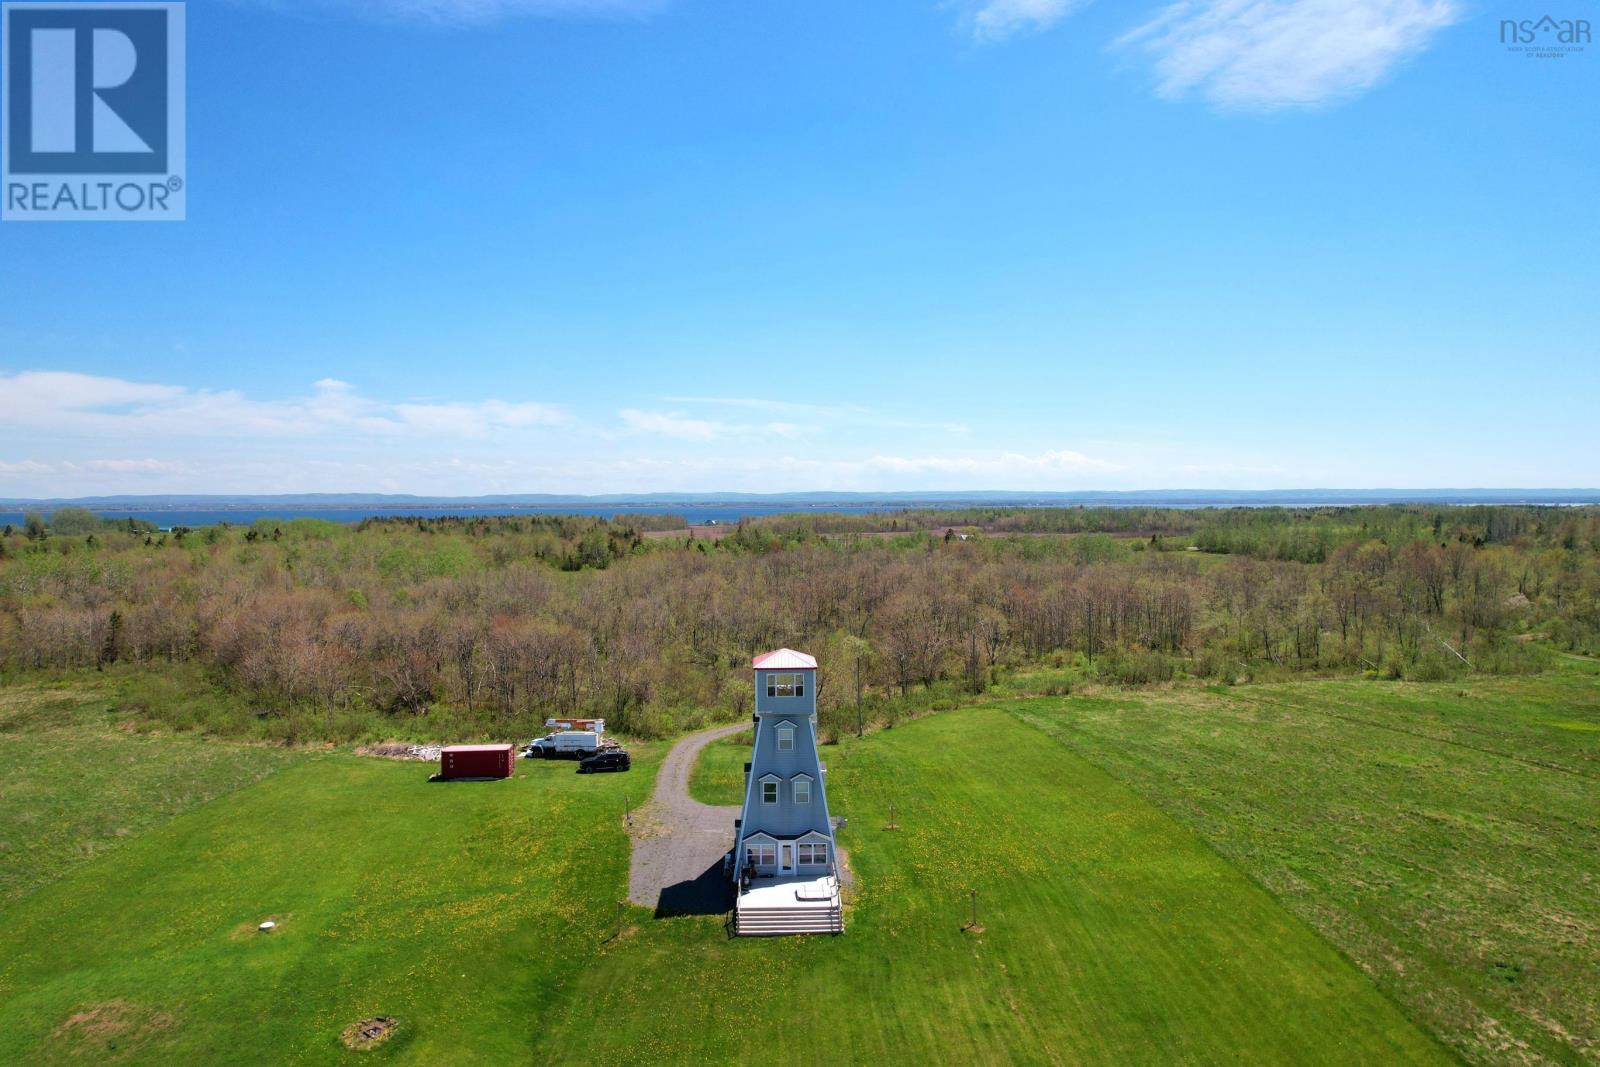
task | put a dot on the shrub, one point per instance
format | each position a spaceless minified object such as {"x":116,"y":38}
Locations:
{"x":1138,"y":668}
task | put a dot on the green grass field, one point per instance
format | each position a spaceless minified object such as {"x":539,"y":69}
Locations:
{"x":719,"y":776}
{"x":463,"y":909}
{"x":1446,"y":837}
{"x":1111,"y":935}
{"x":1319,"y":872}
{"x":76,"y":782}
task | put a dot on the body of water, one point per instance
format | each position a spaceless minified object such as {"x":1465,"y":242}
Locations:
{"x":245,"y":513}
{"x":696,"y":514}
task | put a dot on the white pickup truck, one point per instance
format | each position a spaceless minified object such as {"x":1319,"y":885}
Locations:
{"x":568,"y":744}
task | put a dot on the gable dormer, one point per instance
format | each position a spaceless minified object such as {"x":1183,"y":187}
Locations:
{"x":785,"y":733}
{"x":769,"y":789}
{"x":800,"y":791}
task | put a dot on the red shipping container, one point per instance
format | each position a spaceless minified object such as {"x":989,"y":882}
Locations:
{"x":477,"y":761}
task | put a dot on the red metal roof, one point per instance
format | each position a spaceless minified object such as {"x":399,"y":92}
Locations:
{"x":784,"y":659}
{"x":477,"y":748}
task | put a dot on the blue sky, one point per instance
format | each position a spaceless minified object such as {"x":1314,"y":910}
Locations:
{"x":471,"y":246}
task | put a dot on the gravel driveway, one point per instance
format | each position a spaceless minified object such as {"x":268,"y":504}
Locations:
{"x":678,"y":842}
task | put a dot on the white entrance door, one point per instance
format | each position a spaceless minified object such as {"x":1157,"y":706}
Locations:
{"x":786,"y":862}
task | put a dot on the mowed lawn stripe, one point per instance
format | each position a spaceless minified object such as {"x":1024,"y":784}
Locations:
{"x":1461,"y":880}
{"x":1548,"y":720}
{"x":1112,"y":935}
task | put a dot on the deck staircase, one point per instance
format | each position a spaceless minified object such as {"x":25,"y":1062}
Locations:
{"x":770,"y":912}
{"x":770,"y":922}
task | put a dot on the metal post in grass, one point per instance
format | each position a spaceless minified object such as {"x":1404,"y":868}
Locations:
{"x":892,"y":824}
{"x":627,"y":809}
{"x":616,"y":933}
{"x":973,"y":926}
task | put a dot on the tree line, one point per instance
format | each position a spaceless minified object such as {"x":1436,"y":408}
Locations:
{"x":433,"y":626}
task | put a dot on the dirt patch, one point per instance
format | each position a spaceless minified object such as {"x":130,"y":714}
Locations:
{"x":108,"y":1032}
{"x":846,"y":875}
{"x":252,"y":929}
{"x":369,"y":1033}
{"x":693,"y":533}
{"x":399,"y":750}
{"x":623,"y":933}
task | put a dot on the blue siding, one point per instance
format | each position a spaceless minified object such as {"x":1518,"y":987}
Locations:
{"x":785,"y":819}
{"x":805,"y":704}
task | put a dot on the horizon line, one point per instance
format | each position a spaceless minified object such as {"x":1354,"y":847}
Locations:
{"x":860,"y":494}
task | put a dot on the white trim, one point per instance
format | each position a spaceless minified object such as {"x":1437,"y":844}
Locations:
{"x":793,"y":680}
{"x":810,"y":836}
{"x":824,"y":845}
{"x":749,"y":799}
{"x":784,"y":731}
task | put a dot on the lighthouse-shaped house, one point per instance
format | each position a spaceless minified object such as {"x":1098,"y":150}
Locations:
{"x":783,"y":844}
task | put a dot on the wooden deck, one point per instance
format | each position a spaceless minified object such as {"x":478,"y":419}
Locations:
{"x":790,"y":906}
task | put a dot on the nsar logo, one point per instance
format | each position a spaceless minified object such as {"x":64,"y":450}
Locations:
{"x":1545,"y":38}
{"x":93,"y":111}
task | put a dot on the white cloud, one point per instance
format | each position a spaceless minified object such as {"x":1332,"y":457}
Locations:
{"x":708,"y":470}
{"x":91,"y":467}
{"x":996,"y":20}
{"x":476,"y":420}
{"x":1054,"y":463}
{"x":671,"y":424}
{"x":135,"y":466}
{"x":1269,"y":54}
{"x":816,"y":415}
{"x":785,"y":407}
{"x":85,"y":403}
{"x":62,"y":389}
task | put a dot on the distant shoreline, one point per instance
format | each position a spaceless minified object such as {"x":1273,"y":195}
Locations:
{"x":828,"y":500}
{"x":701,"y":509}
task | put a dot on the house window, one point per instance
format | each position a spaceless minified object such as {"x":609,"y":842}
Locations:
{"x":761,"y":855}
{"x":786,"y":737}
{"x":786,"y":685}
{"x":802,"y":790}
{"x":769,"y":792}
{"x":813,"y":855}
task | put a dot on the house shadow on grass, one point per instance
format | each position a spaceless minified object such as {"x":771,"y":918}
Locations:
{"x":709,"y":894}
